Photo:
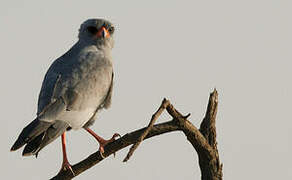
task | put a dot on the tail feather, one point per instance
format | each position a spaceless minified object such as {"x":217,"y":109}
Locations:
{"x":30,"y":132}
{"x":32,"y":146}
{"x":38,"y":143}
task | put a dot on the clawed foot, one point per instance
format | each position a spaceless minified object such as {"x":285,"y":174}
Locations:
{"x":104,"y":142}
{"x":67,"y":167}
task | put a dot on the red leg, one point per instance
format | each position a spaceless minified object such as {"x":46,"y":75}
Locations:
{"x":102,"y":142}
{"x":65,"y":165}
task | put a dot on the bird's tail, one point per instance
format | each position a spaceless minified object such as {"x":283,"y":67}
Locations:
{"x":37,"y":135}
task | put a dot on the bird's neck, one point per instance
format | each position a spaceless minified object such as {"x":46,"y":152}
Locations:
{"x":100,"y":44}
{"x":104,"y":48}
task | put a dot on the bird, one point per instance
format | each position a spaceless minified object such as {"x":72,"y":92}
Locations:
{"x":75,"y":88}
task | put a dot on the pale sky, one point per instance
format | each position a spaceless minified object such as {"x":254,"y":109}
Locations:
{"x":180,"y":50}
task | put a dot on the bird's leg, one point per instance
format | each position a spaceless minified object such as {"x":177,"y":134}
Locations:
{"x":65,"y":165}
{"x":102,"y":142}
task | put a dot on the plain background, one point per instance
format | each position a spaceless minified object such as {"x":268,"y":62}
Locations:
{"x":175,"y":49}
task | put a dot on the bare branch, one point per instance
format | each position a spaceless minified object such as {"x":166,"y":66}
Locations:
{"x":211,"y":169}
{"x":115,"y":146}
{"x":208,"y":126}
{"x":155,"y":116}
{"x":203,"y":140}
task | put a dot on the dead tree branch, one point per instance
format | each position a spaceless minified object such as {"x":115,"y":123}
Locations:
{"x":155,"y":116}
{"x":203,"y":140}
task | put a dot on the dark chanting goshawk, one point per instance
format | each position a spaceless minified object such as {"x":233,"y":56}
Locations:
{"x":77,"y":85}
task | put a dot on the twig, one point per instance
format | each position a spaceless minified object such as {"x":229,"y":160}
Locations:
{"x":155,"y":116}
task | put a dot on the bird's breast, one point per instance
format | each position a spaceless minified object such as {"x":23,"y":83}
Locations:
{"x":76,"y":118}
{"x":89,"y":81}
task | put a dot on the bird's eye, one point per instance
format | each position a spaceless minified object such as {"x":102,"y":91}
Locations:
{"x":92,"y":29}
{"x":111,"y":29}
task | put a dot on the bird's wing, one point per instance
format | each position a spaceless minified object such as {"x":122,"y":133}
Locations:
{"x":47,"y":91}
{"x":108,"y":99}
{"x":50,"y":95}
{"x":77,"y":84}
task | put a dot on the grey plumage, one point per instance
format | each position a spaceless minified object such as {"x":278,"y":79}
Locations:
{"x":30,"y":132}
{"x":76,"y":86}
{"x":39,"y":142}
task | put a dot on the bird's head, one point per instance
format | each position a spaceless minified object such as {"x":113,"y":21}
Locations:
{"x":97,"y":31}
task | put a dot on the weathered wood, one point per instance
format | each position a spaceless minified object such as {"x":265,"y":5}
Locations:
{"x":155,"y":116}
{"x":115,"y":146}
{"x":203,"y":140}
{"x":211,"y":169}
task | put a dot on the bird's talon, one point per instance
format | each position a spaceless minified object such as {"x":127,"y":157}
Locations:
{"x":101,"y":154}
{"x":67,"y":167}
{"x":116,"y":135}
{"x":186,"y":116}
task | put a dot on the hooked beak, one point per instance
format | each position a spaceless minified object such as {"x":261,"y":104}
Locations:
{"x":103,"y":32}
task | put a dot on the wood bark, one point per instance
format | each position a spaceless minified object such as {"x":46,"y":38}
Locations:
{"x":203,"y":140}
